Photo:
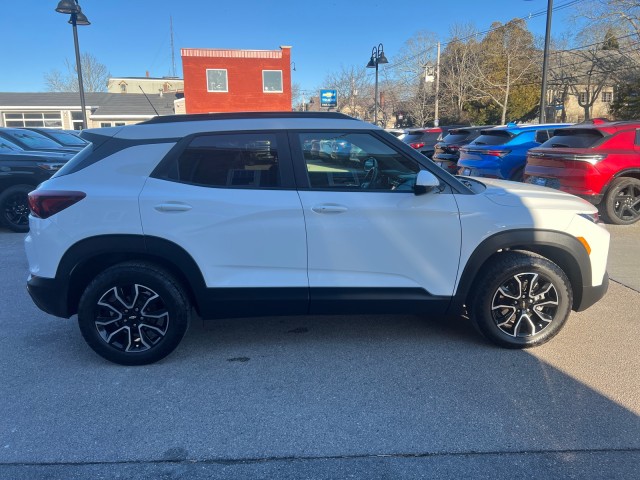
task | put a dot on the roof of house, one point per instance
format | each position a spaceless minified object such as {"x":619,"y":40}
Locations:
{"x":108,"y":104}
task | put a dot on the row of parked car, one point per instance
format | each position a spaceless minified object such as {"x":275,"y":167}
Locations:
{"x":28,"y":157}
{"x":597,"y":160}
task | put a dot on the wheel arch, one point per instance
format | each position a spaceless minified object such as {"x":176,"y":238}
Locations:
{"x":561,"y":248}
{"x":88,"y":257}
{"x":627,"y":172}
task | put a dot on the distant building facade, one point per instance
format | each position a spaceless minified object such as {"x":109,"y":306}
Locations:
{"x":236,"y":80}
{"x":148,"y":85}
{"x":62,"y":110}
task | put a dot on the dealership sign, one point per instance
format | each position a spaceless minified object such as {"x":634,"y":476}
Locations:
{"x":328,"y":98}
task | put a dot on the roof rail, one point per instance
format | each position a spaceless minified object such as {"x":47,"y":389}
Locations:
{"x":198,"y":117}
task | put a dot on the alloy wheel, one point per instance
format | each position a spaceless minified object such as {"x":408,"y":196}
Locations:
{"x":132,"y":318}
{"x":524,"y":305}
{"x":627,"y":203}
{"x":16,"y":209}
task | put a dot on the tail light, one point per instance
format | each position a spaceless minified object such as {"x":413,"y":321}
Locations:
{"x":45,"y":203}
{"x":417,"y":145}
{"x":453,"y":148}
{"x":498,"y":153}
{"x":591,"y":158}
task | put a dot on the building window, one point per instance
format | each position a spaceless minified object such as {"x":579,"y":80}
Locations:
{"x":272,"y":81}
{"x":105,"y":124}
{"x":33,"y":119}
{"x":217,"y":80}
{"x":123,"y":88}
{"x":582,"y":97}
{"x":119,"y":124}
{"x":607,"y":97}
{"x":76,"y":120}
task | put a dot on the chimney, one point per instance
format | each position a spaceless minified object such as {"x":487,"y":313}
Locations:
{"x":147,"y":72}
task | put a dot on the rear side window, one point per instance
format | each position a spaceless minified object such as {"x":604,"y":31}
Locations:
{"x":574,"y":138}
{"x":496,"y":137}
{"x":243,"y":160}
{"x":543,"y":135}
{"x":458,"y":136}
{"x":412,"y":137}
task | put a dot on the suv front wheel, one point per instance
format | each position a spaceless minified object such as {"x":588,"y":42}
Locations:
{"x":522,"y":300}
{"x":133,"y":313}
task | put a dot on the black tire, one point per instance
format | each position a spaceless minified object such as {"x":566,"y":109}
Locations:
{"x":122,"y":295}
{"x":536,"y":316}
{"x":621,"y":204}
{"x":14,"y":208}
{"x":518,"y":175}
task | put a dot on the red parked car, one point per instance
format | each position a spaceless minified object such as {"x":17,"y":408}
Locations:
{"x":598,"y":161}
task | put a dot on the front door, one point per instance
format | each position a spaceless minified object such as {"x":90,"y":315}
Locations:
{"x":370,"y":238}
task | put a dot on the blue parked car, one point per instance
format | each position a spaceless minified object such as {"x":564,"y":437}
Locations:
{"x":501,"y":152}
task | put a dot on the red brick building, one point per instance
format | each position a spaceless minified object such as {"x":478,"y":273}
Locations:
{"x":236,"y":80}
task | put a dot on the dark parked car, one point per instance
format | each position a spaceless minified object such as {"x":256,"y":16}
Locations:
{"x":30,"y":141}
{"x":447,"y":152}
{"x":20,"y":173}
{"x":65,"y":139}
{"x":424,"y":139}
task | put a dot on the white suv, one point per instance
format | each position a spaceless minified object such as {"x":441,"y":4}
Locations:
{"x":236,"y":215}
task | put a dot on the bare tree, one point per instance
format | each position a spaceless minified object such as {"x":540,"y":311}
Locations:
{"x":409,"y":67}
{"x":456,"y":69}
{"x":351,"y":85}
{"x":95,"y":76}
{"x":618,"y":15}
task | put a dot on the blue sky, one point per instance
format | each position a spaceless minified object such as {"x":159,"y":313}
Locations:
{"x":132,"y":36}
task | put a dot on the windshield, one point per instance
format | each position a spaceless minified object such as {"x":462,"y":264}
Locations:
{"x":497,"y":137}
{"x":67,"y":138}
{"x":32,"y":139}
{"x":574,"y":138}
{"x":8,"y":146}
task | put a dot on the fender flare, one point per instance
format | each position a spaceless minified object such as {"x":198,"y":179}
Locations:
{"x":561,"y":248}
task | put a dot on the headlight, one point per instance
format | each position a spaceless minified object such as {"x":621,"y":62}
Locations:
{"x":593,"y":217}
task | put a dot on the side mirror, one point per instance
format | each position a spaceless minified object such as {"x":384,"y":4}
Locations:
{"x":425,"y":182}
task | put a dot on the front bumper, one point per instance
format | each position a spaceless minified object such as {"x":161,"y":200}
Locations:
{"x":49,"y":295}
{"x":591,"y":295}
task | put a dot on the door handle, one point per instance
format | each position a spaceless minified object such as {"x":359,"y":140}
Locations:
{"x":173,"y":207}
{"x":329,"y":208}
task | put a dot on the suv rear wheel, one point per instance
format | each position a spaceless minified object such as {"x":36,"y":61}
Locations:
{"x":622,"y":201}
{"x":522,"y":300}
{"x":14,"y":208}
{"x":133,"y":314}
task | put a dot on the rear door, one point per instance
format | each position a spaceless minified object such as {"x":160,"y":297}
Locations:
{"x":229,"y":200}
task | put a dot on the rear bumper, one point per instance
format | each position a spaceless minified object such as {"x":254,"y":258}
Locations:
{"x":591,"y":295}
{"x":49,"y":295}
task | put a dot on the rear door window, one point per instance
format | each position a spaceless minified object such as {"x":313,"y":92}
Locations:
{"x":248,"y":160}
{"x":574,"y":138}
{"x":497,"y":137}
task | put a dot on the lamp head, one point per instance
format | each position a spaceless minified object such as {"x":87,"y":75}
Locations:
{"x":372,"y":63}
{"x":67,"y":6}
{"x":81,"y":18}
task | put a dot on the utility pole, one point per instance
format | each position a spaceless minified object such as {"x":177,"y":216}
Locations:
{"x":173,"y":55}
{"x":436,"y":120}
{"x":545,"y":64}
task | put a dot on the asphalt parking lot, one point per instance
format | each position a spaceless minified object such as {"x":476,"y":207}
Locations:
{"x":325,"y":397}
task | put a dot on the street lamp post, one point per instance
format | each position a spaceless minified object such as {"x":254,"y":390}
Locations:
{"x":545,"y":64}
{"x":377,"y":57}
{"x":77,"y":18}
